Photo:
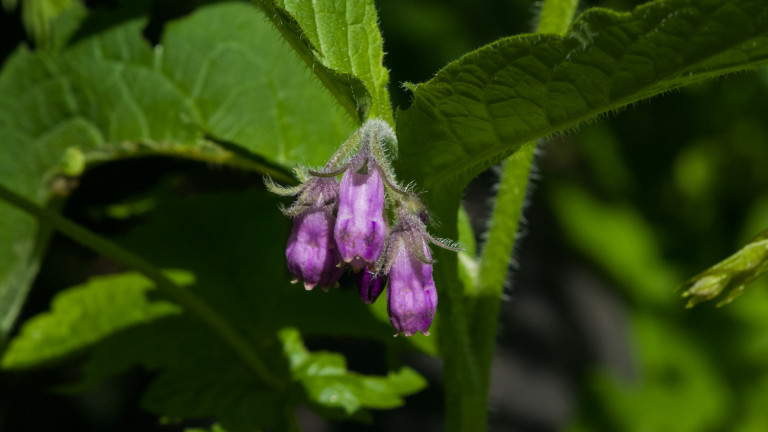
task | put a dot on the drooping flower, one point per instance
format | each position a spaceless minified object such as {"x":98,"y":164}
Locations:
{"x":311,"y":254}
{"x":345,"y":223}
{"x":412,"y":296}
{"x":360,"y":226}
{"x":370,"y":285}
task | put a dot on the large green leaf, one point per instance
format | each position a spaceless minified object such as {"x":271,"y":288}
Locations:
{"x":222,"y":72}
{"x":341,"y":41}
{"x":482,"y":107}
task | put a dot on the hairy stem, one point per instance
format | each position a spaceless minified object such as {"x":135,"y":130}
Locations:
{"x":183,"y":297}
{"x":556,"y":16}
{"x":494,"y":260}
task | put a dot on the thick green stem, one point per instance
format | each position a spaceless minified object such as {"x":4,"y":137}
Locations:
{"x":494,"y":260}
{"x":183,"y":297}
{"x":465,"y":402}
{"x":556,"y":16}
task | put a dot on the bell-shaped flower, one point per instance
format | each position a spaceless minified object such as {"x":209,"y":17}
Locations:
{"x":312,"y":255}
{"x":412,"y":297}
{"x":360,"y":227}
{"x":370,"y":285}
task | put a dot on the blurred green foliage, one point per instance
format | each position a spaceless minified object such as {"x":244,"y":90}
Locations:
{"x":658,"y":193}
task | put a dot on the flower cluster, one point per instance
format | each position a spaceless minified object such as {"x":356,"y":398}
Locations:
{"x":339,"y":224}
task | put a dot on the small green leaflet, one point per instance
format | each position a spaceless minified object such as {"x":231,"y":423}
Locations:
{"x":731,"y":275}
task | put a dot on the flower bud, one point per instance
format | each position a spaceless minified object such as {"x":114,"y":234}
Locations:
{"x":360,"y":227}
{"x":412,"y":297}
{"x":312,"y":255}
{"x":370,"y":285}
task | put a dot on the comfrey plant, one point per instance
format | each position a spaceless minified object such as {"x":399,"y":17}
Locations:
{"x":339,"y":224}
{"x":200,"y":295}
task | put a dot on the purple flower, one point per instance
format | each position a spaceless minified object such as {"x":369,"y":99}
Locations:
{"x":311,"y":254}
{"x":360,"y":227}
{"x":370,"y":285}
{"x":412,"y":297}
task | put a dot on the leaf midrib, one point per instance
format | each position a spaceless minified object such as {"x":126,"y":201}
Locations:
{"x":454,"y":173}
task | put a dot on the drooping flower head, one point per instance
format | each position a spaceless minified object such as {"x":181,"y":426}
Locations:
{"x":311,"y":254}
{"x":346,"y":223}
{"x":412,"y":296}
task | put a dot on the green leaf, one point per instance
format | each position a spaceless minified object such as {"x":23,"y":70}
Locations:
{"x":730,"y":275}
{"x":37,"y":16}
{"x":81,"y":316}
{"x":482,"y":107}
{"x":220,"y":73}
{"x":327,"y":383}
{"x":341,"y":42}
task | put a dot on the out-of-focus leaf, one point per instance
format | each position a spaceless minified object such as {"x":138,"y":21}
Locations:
{"x":37,"y":16}
{"x":81,"y":316}
{"x":221,"y":72}
{"x":482,"y":107}
{"x":731,"y":274}
{"x":618,"y":239}
{"x":676,"y":387}
{"x":327,"y":383}
{"x":342,"y":43}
